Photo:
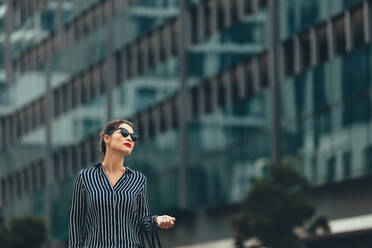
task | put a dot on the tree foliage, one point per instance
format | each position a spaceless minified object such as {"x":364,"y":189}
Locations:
{"x":273,"y":208}
{"x":22,"y":232}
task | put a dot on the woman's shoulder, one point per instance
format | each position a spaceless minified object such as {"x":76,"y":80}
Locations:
{"x":136,"y":174}
{"x":86,"y":172}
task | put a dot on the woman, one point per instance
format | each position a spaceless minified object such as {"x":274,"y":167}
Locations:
{"x":109,"y":203}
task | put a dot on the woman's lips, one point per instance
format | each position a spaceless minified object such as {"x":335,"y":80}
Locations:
{"x":128,"y":145}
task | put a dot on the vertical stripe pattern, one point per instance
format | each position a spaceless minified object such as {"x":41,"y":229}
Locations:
{"x":103,"y":216}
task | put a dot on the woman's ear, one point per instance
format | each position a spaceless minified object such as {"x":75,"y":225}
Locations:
{"x":106,"y":138}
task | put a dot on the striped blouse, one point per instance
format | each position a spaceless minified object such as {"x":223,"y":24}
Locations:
{"x":103,"y":216}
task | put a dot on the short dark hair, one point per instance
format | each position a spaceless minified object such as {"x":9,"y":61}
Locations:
{"x":109,"y":127}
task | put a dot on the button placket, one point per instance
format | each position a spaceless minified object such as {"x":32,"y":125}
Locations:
{"x":115,"y":216}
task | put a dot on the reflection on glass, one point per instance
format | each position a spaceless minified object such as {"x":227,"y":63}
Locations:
{"x":158,"y":159}
{"x":222,"y":50}
{"x":79,"y":123}
{"x":227,"y":148}
{"x":141,"y":92}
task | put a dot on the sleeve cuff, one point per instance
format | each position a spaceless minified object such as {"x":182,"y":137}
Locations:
{"x":154,"y":223}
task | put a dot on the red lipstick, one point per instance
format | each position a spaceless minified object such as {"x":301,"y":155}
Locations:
{"x":128,"y":145}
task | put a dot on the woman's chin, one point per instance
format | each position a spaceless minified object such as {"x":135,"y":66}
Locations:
{"x":126,"y":152}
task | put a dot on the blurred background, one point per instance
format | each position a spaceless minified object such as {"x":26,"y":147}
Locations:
{"x":217,"y":89}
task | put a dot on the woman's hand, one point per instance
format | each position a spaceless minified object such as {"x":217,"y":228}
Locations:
{"x":165,"y":221}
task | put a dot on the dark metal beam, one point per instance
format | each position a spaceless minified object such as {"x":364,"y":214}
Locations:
{"x":183,"y":108}
{"x":274,"y":34}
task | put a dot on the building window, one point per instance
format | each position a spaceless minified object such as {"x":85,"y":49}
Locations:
{"x":69,"y":34}
{"x":357,"y":26}
{"x":41,"y":52}
{"x":26,"y":181}
{"x":139,"y":49}
{"x":175,"y":111}
{"x":346,"y":164}
{"x":234,"y":86}
{"x":339,"y":34}
{"x":75,"y":163}
{"x":88,"y":22}
{"x":305,"y":50}
{"x":248,"y":78}
{"x":93,"y":147}
{"x":247,"y":7}
{"x":103,"y":75}
{"x":163,"y":117}
{"x":107,"y":6}
{"x":18,"y":184}
{"x":42,"y":174}
{"x":368,"y":159}
{"x":43,"y":108}
{"x":98,"y":15}
{"x":22,"y":63}
{"x":221,"y":89}
{"x":151,"y":40}
{"x":262,"y":3}
{"x":18,"y":123}
{"x":30,"y":118}
{"x":331,"y":170}
{"x":3,"y":191}
{"x":128,"y":59}
{"x":36,"y":114}
{"x":65,"y":97}
{"x":96,"y":80}
{"x":12,"y":187}
{"x":152,"y":123}
{"x":48,"y":49}
{"x":207,"y":13}
{"x":56,"y":102}
{"x":33,"y":58}
{"x":322,"y":41}
{"x":207,"y":90}
{"x":164,"y":40}
{"x":288,"y":57}
{"x":140,"y":125}
{"x":83,"y":154}
{"x":82,"y":27}
{"x":75,"y":92}
{"x":85,"y":88}
{"x":134,"y":58}
{"x":263,"y":70}
{"x":35,"y":179}
{"x":56,"y":166}
{"x":194,"y":24}
{"x":195,"y":102}
{"x":117,"y":7}
{"x":221,"y":14}
{"x":175,"y":33}
{"x":54,"y":41}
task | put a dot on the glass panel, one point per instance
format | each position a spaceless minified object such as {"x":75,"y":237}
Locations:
{"x":346,"y":163}
{"x":158,"y":159}
{"x":141,"y":18}
{"x":229,"y":147}
{"x":220,"y":51}
{"x":143,"y":91}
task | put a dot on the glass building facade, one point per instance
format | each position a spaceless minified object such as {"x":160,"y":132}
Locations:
{"x":67,"y":67}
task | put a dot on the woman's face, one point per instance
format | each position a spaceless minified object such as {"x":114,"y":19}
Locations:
{"x":116,"y":142}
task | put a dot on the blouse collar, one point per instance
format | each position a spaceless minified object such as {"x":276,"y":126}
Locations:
{"x":99,"y":164}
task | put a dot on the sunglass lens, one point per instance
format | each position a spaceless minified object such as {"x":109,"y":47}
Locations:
{"x":134,"y":137}
{"x":124,"y":132}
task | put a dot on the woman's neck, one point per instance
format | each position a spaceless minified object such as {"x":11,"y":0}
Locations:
{"x":113,"y":162}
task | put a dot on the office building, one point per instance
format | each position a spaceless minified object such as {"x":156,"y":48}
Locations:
{"x":194,"y":76}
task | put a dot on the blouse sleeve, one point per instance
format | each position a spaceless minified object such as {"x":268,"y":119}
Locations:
{"x":77,"y":215}
{"x":146,"y":221}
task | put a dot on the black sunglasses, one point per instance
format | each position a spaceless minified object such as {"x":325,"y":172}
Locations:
{"x":125,"y":133}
